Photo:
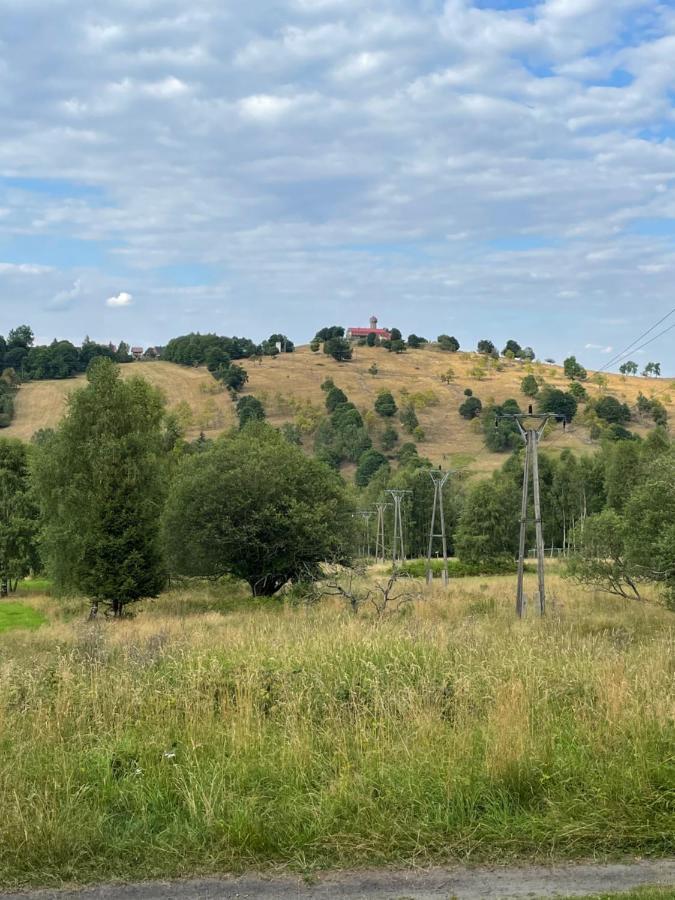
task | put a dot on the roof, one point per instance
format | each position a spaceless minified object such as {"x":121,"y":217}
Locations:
{"x":366,"y":331}
{"x":136,"y":349}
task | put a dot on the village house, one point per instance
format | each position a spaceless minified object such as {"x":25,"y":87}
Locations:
{"x":355,"y":334}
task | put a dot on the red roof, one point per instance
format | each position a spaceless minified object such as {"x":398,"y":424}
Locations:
{"x":364,"y":332}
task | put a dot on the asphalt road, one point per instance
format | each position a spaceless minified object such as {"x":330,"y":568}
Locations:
{"x":506,"y":883}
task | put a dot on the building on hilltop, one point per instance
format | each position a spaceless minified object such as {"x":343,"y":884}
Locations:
{"x":354,"y":334}
{"x":137,"y":352}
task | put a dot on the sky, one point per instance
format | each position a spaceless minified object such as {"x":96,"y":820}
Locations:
{"x":483,"y":168}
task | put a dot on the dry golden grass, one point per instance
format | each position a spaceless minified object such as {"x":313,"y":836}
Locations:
{"x":286,"y":382}
{"x":41,"y":404}
{"x":450,"y":440}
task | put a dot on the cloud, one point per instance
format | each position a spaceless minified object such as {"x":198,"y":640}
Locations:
{"x":599,"y":347}
{"x":7,"y":268}
{"x":119,"y":300}
{"x":448,"y":160}
{"x":65,"y":299}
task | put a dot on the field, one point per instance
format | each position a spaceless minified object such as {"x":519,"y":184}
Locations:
{"x":286,"y":384}
{"x":211,"y":733}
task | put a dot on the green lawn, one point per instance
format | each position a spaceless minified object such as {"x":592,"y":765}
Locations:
{"x":16,"y":615}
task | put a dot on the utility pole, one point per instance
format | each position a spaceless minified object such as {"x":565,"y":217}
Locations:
{"x":531,"y":436}
{"x":380,"y":541}
{"x":365,"y":515}
{"x":398,"y":543}
{"x":439,"y":479}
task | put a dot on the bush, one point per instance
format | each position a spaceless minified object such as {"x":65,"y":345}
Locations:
{"x":385,"y":405}
{"x":553,"y":400}
{"x":249,"y":409}
{"x":370,"y":463}
{"x":448,"y":343}
{"x":612,"y":411}
{"x":529,"y":386}
{"x":500,"y":565}
{"x":471,"y":408}
{"x":389,"y":438}
{"x":409,"y":418}
{"x":574,"y":370}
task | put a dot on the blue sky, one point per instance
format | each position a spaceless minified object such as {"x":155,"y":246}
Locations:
{"x":494,"y":168}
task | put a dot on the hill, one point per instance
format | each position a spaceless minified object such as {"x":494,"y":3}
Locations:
{"x":290,"y":384}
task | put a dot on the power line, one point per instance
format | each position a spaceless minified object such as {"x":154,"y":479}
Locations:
{"x":632,"y":348}
{"x":650,"y":341}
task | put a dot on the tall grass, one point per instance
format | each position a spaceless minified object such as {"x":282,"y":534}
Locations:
{"x":192,"y":741}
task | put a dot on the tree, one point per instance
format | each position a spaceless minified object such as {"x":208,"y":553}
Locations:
{"x":389,"y":438}
{"x":514,"y":348}
{"x":650,"y":514}
{"x":370,"y":463}
{"x":250,"y":409}
{"x":652,"y":368}
{"x":21,"y":336}
{"x":395,"y":335}
{"x":529,"y":386}
{"x":122,"y":354}
{"x":471,"y":408}
{"x":486,"y":347}
{"x":338,"y":348}
{"x":327,"y":334}
{"x":256,"y":507}
{"x":553,"y":400}
{"x":601,"y":562}
{"x":578,"y":391}
{"x":234,"y":377}
{"x":500,"y":434}
{"x":527,"y":353}
{"x":415,"y":341}
{"x":629,"y":368}
{"x":385,"y":405}
{"x":409,"y":418}
{"x":448,"y":342}
{"x":612,"y":411}
{"x":18,"y":516}
{"x":488,"y":525}
{"x":371,"y":339}
{"x":334,"y":397}
{"x":574,"y":370}
{"x":103,"y":469}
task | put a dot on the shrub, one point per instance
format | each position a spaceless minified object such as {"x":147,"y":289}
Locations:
{"x":529,"y":386}
{"x":385,"y":405}
{"x":471,"y":408}
{"x":370,"y":463}
{"x":448,"y":343}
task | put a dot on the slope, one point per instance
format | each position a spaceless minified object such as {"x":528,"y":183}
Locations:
{"x":290,"y":385}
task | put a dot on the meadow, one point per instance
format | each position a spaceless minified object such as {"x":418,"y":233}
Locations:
{"x":212,"y":733}
{"x":289,"y":387}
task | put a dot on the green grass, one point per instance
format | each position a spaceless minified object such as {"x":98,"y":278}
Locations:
{"x":646,"y":893}
{"x":16,"y":615}
{"x":308,"y":737}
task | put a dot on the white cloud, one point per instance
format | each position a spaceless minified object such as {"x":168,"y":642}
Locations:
{"x":7,"y":268}
{"x":599,"y":347}
{"x":477,"y":160}
{"x":119,"y":300}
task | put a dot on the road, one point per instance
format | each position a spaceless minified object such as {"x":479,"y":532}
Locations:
{"x":507,"y":883}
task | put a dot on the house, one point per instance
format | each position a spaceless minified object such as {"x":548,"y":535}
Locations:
{"x":137,"y":352}
{"x":355,"y":334}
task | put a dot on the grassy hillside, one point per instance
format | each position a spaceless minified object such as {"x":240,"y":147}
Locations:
{"x":288,"y":384}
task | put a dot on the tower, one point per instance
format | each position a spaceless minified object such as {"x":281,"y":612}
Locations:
{"x":373,"y":323}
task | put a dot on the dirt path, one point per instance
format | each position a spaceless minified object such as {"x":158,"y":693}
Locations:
{"x":428,"y":884}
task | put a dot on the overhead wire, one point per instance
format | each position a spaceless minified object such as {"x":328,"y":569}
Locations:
{"x":631,"y":348}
